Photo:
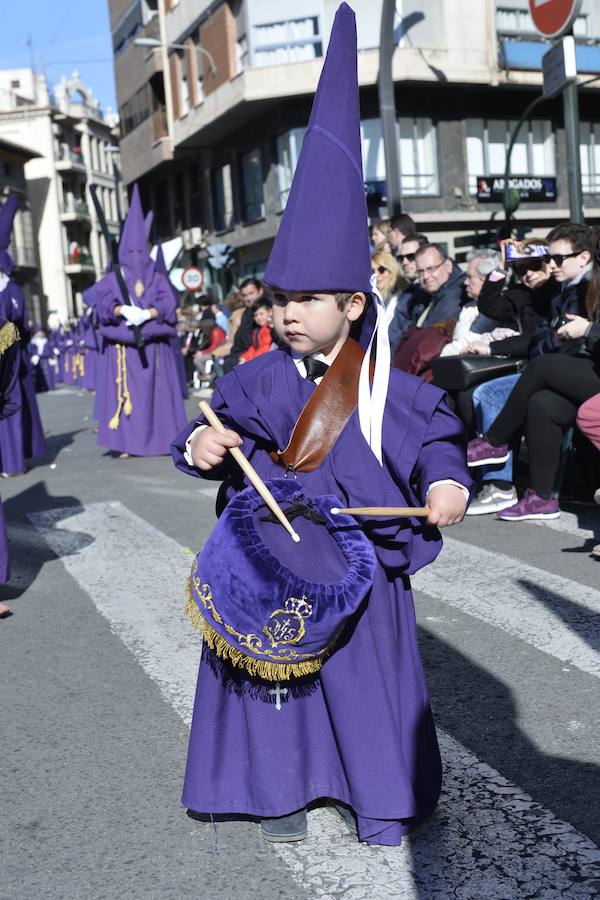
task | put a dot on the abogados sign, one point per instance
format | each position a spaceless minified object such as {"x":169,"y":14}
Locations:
{"x":554,"y":18}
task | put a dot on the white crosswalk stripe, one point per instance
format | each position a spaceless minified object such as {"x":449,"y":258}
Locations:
{"x":488,"y":839}
{"x":552,"y":613}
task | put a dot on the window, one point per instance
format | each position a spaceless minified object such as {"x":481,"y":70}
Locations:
{"x":252,"y":186}
{"x":287,"y":151}
{"x":418,"y":155}
{"x":184,"y":82}
{"x":294,"y":40}
{"x":487,"y":140}
{"x":196,"y":194}
{"x":135,"y":111}
{"x":589,"y":151}
{"x":222,"y":197}
{"x":196,"y":71}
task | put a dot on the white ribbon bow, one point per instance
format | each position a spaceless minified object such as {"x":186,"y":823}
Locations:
{"x":371,"y":400}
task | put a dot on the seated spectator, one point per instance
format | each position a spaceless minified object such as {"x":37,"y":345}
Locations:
{"x":251,"y":290}
{"x":527,"y":306}
{"x":389,"y":280}
{"x":443,"y":287}
{"x":471,"y":321}
{"x":401,"y":228}
{"x":436,"y":309}
{"x":262,"y":335}
{"x":546,"y":397}
{"x":379,"y":235}
{"x":403,"y":313}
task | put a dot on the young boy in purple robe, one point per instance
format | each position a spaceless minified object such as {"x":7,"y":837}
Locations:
{"x":21,"y":435}
{"x":361,"y":733}
{"x":139,"y":406}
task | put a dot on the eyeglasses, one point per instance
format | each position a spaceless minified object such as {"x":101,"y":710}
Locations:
{"x":559,"y":258}
{"x":430,"y":269}
{"x":381,"y":270}
{"x":531,"y":265}
{"x":407,"y":256}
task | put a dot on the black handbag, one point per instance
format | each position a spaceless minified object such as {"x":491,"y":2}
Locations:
{"x":459,"y":373}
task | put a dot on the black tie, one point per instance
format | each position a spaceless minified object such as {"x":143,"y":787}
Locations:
{"x":315,"y":368}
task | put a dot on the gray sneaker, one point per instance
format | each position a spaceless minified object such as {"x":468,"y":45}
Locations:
{"x":491,"y":499}
{"x":285,"y":828}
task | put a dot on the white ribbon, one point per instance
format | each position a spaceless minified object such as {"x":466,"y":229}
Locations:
{"x":371,"y":400}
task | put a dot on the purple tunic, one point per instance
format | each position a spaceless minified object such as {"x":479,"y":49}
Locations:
{"x":155,"y":413}
{"x":91,"y":345}
{"x":363,"y":734}
{"x":21,"y":435}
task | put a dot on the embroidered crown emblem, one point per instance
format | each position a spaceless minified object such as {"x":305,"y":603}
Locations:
{"x":298,"y":607}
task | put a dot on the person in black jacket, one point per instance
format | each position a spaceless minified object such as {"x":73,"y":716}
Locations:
{"x":566,"y":373}
{"x":251,"y":290}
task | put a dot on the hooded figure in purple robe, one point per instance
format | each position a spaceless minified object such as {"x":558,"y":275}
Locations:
{"x":161,"y":266}
{"x":361,"y":731}
{"x":90,"y":340}
{"x":21,"y":435}
{"x":43,"y":360}
{"x":139,"y":405}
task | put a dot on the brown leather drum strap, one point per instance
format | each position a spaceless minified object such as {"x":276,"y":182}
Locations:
{"x":323,"y":418}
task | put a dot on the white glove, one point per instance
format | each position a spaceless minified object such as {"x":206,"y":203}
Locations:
{"x":135,"y":315}
{"x":35,"y":359}
{"x":56,"y":352}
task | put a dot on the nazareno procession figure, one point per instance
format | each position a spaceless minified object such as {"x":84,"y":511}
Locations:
{"x":21,"y":434}
{"x":311,"y":685}
{"x":139,"y":404}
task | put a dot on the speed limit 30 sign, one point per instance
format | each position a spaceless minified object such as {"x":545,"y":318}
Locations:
{"x":554,"y":17}
{"x":192,"y":279}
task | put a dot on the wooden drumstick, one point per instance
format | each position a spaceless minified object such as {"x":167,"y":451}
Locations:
{"x":251,"y":472}
{"x":419,"y":512}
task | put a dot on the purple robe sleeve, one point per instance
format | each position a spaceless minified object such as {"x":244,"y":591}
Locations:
{"x":443,"y":452}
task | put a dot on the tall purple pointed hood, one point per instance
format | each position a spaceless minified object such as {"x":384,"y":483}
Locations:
{"x":7,"y":216}
{"x":323,"y":238}
{"x":134,"y":258}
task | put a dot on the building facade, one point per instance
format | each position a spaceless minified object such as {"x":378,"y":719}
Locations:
{"x":75,"y":148}
{"x":214,"y":97}
{"x":13,"y":159}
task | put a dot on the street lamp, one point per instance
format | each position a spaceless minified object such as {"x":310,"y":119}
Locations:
{"x":154,"y":43}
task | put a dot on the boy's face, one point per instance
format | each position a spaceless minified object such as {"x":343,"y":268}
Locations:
{"x":262,"y":316}
{"x":313,"y":323}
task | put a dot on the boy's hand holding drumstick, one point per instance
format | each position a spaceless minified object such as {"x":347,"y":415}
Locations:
{"x":209,"y":447}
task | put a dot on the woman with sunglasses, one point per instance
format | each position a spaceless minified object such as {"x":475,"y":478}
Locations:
{"x":389,"y":280}
{"x":565,"y":374}
{"x":524,"y":307}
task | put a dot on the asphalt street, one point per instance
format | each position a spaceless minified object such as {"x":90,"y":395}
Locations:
{"x":98,"y":668}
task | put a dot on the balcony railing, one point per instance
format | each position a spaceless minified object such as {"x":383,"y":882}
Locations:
{"x":77,"y":208}
{"x":69,"y":154}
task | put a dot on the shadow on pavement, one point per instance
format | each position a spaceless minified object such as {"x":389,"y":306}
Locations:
{"x":28,"y":551}
{"x":479,"y":711}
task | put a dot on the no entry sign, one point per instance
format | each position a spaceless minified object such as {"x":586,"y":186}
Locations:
{"x":193,"y":279}
{"x":554,"y":17}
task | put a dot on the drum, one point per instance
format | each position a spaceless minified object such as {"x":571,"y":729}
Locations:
{"x":272,"y":606}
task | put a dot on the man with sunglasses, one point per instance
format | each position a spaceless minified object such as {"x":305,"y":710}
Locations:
{"x":407,"y":298}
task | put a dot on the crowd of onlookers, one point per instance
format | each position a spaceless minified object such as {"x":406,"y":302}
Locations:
{"x":513,"y":337}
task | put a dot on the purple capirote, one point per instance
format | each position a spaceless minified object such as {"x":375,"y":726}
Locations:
{"x":323,"y":240}
{"x":362,"y":732}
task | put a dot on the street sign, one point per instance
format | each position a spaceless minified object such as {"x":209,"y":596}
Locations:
{"x":559,"y":66}
{"x":530,"y":188}
{"x":554,"y":17}
{"x":192,"y":279}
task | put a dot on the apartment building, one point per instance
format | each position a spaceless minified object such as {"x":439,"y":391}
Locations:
{"x":214,"y":97}
{"x":13,"y":159}
{"x":74,"y":148}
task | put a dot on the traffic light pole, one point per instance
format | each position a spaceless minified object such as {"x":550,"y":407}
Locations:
{"x":571,"y":113}
{"x":387,"y":108}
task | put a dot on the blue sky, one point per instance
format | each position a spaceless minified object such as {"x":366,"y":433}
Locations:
{"x":66,"y":35}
